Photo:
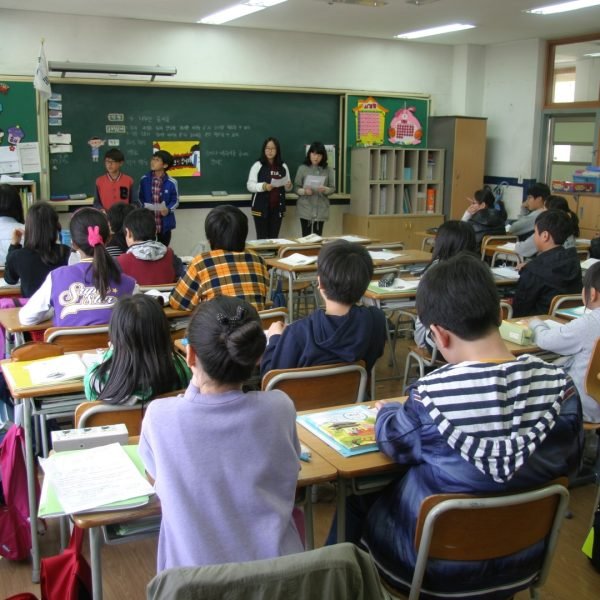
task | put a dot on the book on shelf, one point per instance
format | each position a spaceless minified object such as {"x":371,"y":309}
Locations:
{"x":383,"y":166}
{"x":407,"y":205}
{"x":383,"y":201}
{"x":349,"y":430}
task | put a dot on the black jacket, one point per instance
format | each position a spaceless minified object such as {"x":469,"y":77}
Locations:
{"x":487,"y":222}
{"x":553,"y":272}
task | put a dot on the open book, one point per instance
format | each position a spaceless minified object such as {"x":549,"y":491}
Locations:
{"x":297,"y":259}
{"x":349,"y":430}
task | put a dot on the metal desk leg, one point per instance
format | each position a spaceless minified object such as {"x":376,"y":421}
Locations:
{"x":96,"y":562}
{"x":309,"y":530}
{"x":341,"y":510}
{"x":30,"y":466}
{"x":291,"y":295}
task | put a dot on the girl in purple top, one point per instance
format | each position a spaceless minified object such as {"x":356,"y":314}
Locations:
{"x":224,"y":462}
{"x":83,"y":293}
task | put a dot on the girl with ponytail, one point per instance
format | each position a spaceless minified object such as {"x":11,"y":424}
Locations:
{"x":83,"y":293}
{"x":224,"y":462}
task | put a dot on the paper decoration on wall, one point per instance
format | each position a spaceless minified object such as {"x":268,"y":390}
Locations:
{"x":370,"y":122}
{"x":4,"y":87}
{"x":186,"y":154}
{"x":15,"y":135}
{"x":405,"y":129}
{"x":96,"y":143}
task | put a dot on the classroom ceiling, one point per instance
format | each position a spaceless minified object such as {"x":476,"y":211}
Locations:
{"x":497,"y":21}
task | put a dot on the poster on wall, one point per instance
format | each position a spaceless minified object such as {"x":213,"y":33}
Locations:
{"x":186,"y":155}
{"x":386,"y":121}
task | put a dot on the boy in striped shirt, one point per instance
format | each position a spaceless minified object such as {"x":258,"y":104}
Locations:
{"x":486,"y":422}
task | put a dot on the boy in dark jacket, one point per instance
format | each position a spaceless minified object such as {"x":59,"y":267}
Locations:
{"x":343,"y":332}
{"x":553,"y":271}
{"x":149,"y":262}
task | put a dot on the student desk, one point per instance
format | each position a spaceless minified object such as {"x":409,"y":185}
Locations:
{"x":270,"y":246}
{"x":9,"y":291}
{"x":518,"y":349}
{"x":318,"y":470}
{"x":304,"y":272}
{"x":350,"y":468}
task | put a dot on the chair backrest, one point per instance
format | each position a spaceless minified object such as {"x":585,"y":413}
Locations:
{"x":96,"y":414}
{"x":506,"y":310}
{"x":583,"y":254}
{"x":592,"y":381}
{"x":498,"y":526}
{"x":564,"y":301}
{"x":306,"y":249}
{"x":320,"y":386}
{"x":491,"y":241}
{"x":343,"y":570}
{"x":272,"y":315}
{"x":35,"y":351}
{"x":88,"y":337}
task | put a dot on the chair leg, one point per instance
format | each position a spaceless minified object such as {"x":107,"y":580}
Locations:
{"x":406,"y":370}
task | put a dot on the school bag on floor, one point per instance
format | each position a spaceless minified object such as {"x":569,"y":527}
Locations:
{"x":67,"y":576}
{"x":15,"y":530}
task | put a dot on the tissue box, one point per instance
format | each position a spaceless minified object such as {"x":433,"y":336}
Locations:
{"x":89,"y":437}
{"x":517,"y":333}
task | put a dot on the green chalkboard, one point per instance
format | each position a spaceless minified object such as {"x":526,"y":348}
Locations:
{"x":17,"y":113}
{"x":230,"y":126}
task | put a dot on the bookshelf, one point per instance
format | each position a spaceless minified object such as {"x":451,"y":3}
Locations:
{"x":396,"y":193}
{"x":27,"y":191}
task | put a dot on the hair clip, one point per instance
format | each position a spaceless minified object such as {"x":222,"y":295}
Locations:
{"x":94,"y":237}
{"x":240,"y":313}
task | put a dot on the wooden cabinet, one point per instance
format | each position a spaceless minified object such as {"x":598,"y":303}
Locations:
{"x":464,"y":140}
{"x":395,"y":193}
{"x":587,"y":207}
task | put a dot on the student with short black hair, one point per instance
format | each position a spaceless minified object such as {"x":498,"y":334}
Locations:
{"x":159,"y":193}
{"x":530,"y":210}
{"x":114,"y":186}
{"x":343,"y":331}
{"x":227,"y":269}
{"x":29,"y":263}
{"x":147,"y":260}
{"x":485,"y":214}
{"x":141,"y":361}
{"x":224,"y":463}
{"x":86,"y":292}
{"x":485,"y":423}
{"x":553,"y":271}
{"x":575,"y":340}
{"x":116,"y":214}
{"x":11,"y":217}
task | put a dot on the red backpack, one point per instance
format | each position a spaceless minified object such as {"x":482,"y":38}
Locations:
{"x":15,"y":530}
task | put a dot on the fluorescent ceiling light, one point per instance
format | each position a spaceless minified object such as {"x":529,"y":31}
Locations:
{"x":413,"y":35}
{"x":593,"y":54}
{"x":552,"y":9}
{"x":237,"y":11}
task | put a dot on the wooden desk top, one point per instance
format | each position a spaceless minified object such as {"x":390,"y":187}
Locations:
{"x":9,"y":319}
{"x":518,"y":349}
{"x":10,"y":291}
{"x":318,"y":470}
{"x":258,"y":245}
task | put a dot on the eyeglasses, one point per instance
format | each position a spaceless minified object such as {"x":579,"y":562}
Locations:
{"x":110,"y":161}
{"x":270,"y":149}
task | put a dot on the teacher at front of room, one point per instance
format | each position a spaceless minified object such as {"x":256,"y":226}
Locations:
{"x":268,"y":181}
{"x":313,"y":183}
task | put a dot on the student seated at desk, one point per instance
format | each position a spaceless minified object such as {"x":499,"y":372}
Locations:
{"x":11,"y":217}
{"x":553,"y":271}
{"x":141,"y":361}
{"x":86,"y":292}
{"x":148,"y":261}
{"x":343,"y":332}
{"x":483,"y":215}
{"x":530,"y":210}
{"x":30,"y":263}
{"x":116,"y":214}
{"x":486,"y":422}
{"x":453,"y":237}
{"x":224,"y":463}
{"x":228,"y":269}
{"x":575,"y":340}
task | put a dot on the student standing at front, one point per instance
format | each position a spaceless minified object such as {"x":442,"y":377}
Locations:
{"x":159,"y":193}
{"x":268,"y":180}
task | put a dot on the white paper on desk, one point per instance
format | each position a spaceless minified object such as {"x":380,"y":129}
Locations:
{"x":159,"y":294}
{"x":297,"y":259}
{"x":405,"y":284}
{"x":94,"y":477}
{"x":352,"y":238}
{"x":29,"y":154}
{"x":588,"y":262}
{"x":154,"y":207}
{"x":509,"y":246}
{"x":56,"y":369}
{"x":277,"y":183}
{"x":311,"y":238}
{"x":314,"y":181}
{"x":264,"y":241}
{"x":383,"y":255}
{"x":505,"y":273}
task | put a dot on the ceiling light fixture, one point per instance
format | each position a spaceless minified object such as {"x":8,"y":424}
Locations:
{"x":593,"y":55}
{"x":413,"y":35}
{"x":553,"y":9}
{"x":239,"y":10}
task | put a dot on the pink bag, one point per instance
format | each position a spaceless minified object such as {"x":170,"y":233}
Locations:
{"x":15,"y":531}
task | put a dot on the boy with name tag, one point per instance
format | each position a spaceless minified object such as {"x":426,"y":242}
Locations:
{"x":114,"y":186}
